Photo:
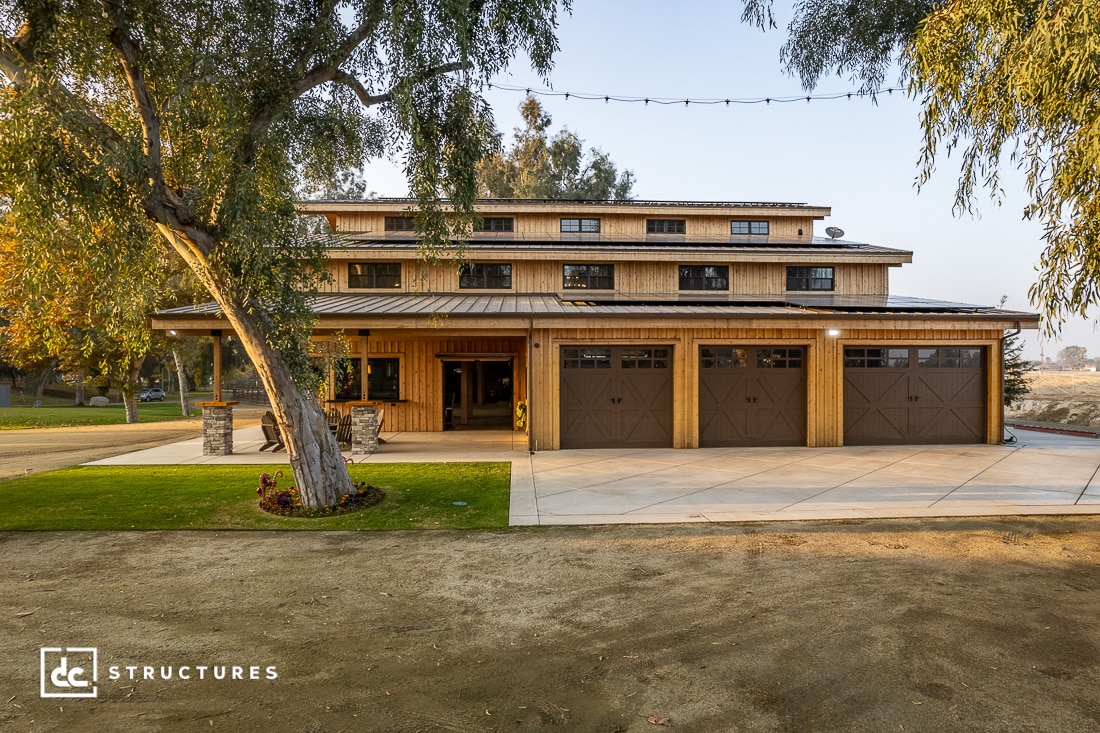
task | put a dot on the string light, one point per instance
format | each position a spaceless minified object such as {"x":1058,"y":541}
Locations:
{"x":687,"y":102}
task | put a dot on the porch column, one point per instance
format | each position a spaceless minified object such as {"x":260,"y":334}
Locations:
{"x":364,"y":366}
{"x":217,"y":428}
{"x":364,"y":428}
{"x":217,"y":367}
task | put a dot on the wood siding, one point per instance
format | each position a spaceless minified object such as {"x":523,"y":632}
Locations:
{"x":631,"y":277}
{"x":420,"y":408}
{"x":781,"y":227}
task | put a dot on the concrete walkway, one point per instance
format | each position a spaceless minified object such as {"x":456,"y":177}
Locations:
{"x":1042,"y":473}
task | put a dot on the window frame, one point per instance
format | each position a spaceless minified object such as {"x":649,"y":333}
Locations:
{"x":666,"y":226}
{"x":373,"y":277}
{"x":399,"y":377}
{"x":506,"y":224}
{"x":468,"y":270}
{"x":805,"y":283}
{"x":400,"y":224}
{"x":584,"y":225}
{"x":589,"y":276}
{"x":706,"y":279}
{"x":753,"y":228}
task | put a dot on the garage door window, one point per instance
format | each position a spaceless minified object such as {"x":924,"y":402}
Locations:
{"x":644,"y":358}
{"x":779,"y":358}
{"x":586,"y":358}
{"x":949,"y":358}
{"x":877,"y":358}
{"x":722,"y":357}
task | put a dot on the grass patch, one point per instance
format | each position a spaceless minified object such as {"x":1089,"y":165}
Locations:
{"x":19,"y":418}
{"x":418,"y":496}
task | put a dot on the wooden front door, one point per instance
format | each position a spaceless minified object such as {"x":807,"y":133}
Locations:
{"x":752,"y":396}
{"x":914,"y":395}
{"x":616,"y":397}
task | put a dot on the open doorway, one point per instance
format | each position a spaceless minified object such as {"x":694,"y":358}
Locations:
{"x":477,"y":394}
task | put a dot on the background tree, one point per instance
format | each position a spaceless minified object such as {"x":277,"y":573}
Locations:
{"x":1016,"y":76}
{"x":1072,"y":357}
{"x":1014,"y":367}
{"x":540,"y":167}
{"x":200,"y":121}
{"x":78,"y":302}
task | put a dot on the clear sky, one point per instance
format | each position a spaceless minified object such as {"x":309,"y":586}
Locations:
{"x":856,"y":157}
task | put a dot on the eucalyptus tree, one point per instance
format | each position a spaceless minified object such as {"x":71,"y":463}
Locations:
{"x":200,"y":119}
{"x":1013,"y":81}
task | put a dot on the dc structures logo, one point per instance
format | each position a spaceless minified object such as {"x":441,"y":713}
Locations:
{"x":69,"y":671}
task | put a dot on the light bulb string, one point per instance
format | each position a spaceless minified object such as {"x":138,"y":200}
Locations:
{"x":688,"y":101}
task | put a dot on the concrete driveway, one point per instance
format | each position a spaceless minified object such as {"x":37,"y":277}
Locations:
{"x":1042,"y":473}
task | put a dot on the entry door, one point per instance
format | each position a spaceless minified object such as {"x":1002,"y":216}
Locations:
{"x":616,"y":397}
{"x":914,"y":395}
{"x":752,"y":396}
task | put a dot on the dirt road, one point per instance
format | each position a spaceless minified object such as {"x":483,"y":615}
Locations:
{"x":976,"y":625}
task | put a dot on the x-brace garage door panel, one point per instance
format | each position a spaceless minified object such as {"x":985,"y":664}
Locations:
{"x":752,"y":396}
{"x":914,"y":395}
{"x":616,"y":397}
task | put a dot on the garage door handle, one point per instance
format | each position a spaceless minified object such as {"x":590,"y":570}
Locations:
{"x":750,"y":399}
{"x":616,"y":400}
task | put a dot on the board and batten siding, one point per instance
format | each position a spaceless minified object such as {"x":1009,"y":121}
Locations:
{"x":420,"y":408}
{"x":630,"y":277}
{"x":781,"y":227}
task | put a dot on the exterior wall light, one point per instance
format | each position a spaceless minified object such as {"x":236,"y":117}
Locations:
{"x":833,"y":332}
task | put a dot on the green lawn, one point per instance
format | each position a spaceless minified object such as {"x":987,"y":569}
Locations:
{"x":56,"y":416}
{"x":418,"y":496}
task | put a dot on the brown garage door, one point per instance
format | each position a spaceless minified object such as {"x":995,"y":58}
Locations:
{"x":914,"y":395}
{"x":616,"y":397}
{"x":752,"y":395}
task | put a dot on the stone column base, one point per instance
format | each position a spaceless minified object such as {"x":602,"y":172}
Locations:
{"x":217,"y":428}
{"x":364,"y":430}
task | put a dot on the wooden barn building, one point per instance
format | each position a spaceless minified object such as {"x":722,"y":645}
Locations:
{"x":650,"y":324}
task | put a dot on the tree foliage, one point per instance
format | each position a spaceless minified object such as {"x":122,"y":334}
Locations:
{"x":1073,"y":357}
{"x":1015,"y":368}
{"x":1012,"y":80}
{"x":541,"y":167}
{"x":199,"y":121}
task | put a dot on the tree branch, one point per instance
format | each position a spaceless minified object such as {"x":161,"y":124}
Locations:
{"x":22,"y":75}
{"x":370,"y":100}
{"x":164,"y":206}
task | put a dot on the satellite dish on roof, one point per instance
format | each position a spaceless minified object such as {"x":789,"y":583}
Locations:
{"x":834,"y":232}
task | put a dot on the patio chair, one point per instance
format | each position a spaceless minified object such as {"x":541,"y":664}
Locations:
{"x":378,"y":427}
{"x":273,"y":438}
{"x":343,"y":431}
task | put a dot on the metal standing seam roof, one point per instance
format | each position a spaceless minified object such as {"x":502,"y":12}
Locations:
{"x":587,"y":305}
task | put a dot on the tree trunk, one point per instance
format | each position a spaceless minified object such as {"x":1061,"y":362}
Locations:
{"x":185,"y":399}
{"x":78,"y":399}
{"x":41,"y":389}
{"x":129,"y":390}
{"x":319,"y":469}
{"x":320,"y":473}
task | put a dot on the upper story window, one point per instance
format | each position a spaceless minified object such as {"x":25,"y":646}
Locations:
{"x":480,"y":275}
{"x":496,"y":224}
{"x":748,"y":227}
{"x":583,"y":226}
{"x":588,"y":277}
{"x":400,"y":223}
{"x":665,"y":226}
{"x":704,"y":277}
{"x":810,"y":278}
{"x":374,"y":274}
